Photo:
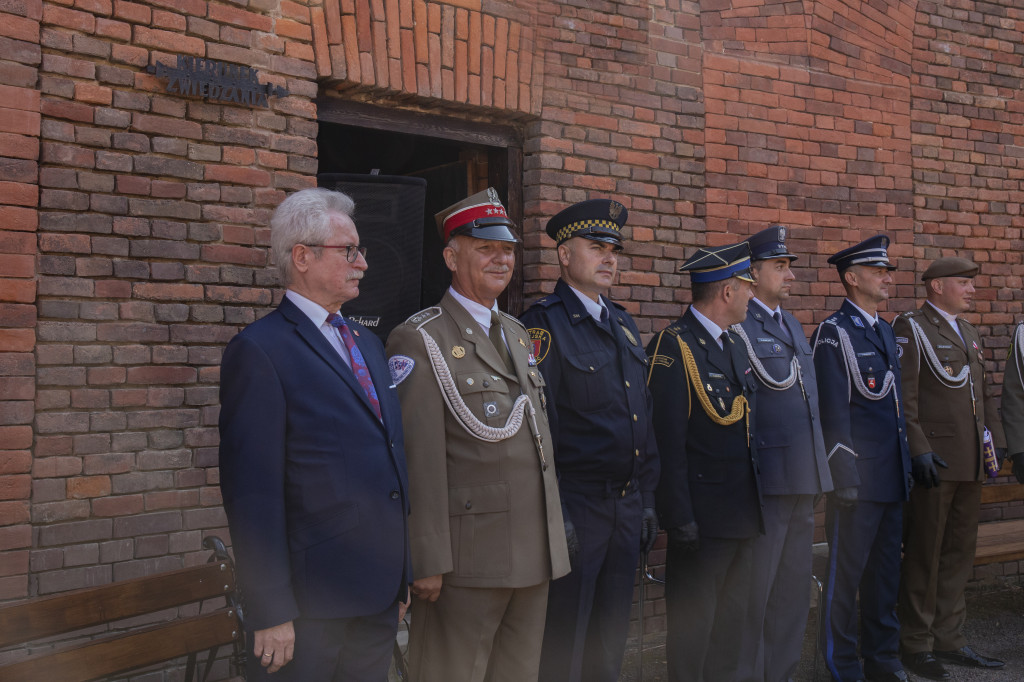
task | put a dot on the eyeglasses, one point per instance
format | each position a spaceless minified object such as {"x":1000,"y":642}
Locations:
{"x":351,"y":250}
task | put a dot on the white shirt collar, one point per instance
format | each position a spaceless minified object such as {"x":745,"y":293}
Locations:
{"x":480,"y":313}
{"x":870,"y":320}
{"x":778,"y":309}
{"x":314,"y":311}
{"x":593,"y":307}
{"x":946,"y":316}
{"x":713,"y":329}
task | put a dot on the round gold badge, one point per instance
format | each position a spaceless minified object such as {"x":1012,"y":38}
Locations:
{"x":458,"y":352}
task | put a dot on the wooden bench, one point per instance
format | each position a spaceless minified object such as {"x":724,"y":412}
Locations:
{"x":1000,"y":541}
{"x":120,"y":648}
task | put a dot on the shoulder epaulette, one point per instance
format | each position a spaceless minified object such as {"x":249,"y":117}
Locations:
{"x":548,"y":301}
{"x":424,"y":316}
{"x":512,"y":318}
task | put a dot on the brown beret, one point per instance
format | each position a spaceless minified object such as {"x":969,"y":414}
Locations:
{"x":950,"y":267}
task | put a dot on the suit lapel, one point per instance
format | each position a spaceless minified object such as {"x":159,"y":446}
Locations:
{"x":322,"y":347}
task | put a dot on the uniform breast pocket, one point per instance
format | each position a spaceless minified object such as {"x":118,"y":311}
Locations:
{"x":586,"y":382}
{"x":872,"y":368}
{"x":722,"y":392}
{"x":486,"y":395}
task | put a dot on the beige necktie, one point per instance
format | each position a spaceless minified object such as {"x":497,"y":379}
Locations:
{"x":494,"y":334}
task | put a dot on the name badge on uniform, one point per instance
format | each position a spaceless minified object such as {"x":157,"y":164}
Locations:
{"x":939,"y":345}
{"x":770,"y":339}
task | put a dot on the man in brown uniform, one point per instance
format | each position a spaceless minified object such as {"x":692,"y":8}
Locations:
{"x":948,"y":406}
{"x":486,"y":529}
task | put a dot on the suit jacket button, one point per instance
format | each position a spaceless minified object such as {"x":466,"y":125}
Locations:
{"x":469,"y":504}
{"x":394,"y":494}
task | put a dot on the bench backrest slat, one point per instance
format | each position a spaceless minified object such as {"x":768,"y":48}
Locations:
{"x":113,"y":655}
{"x":48,"y":616}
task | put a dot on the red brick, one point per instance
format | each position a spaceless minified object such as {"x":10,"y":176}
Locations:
{"x":230,"y":15}
{"x":68,"y":18}
{"x":175,"y":43}
{"x":21,"y":194}
{"x":88,"y":487}
{"x":17,"y":290}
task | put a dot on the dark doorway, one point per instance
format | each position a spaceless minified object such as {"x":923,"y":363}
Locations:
{"x":455,"y":158}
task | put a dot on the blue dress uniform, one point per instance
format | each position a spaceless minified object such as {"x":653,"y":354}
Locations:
{"x":794,"y":469}
{"x":865,"y":435}
{"x":704,"y":411}
{"x":604,"y":450}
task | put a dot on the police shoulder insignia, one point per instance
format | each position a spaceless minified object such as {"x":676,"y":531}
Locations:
{"x":541,"y":339}
{"x":400,"y":367}
{"x":424,"y":316}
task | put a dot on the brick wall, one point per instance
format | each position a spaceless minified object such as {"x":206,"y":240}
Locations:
{"x":133,"y":222}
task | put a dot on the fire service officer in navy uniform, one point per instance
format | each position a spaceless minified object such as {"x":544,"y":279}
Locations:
{"x":856,"y":359}
{"x":708,"y":497}
{"x":588,"y":349}
{"x":791,"y":455}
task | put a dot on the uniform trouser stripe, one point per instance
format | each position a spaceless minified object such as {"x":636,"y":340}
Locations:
{"x":830,"y":585}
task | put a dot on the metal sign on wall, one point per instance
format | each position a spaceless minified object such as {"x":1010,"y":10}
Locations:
{"x":217,"y":81}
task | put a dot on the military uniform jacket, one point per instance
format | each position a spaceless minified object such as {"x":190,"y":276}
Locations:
{"x":790,"y":447}
{"x":865,"y":438}
{"x":947,"y":421}
{"x":708,"y":470}
{"x":600,"y":410}
{"x":1013,"y":394}
{"x":484,"y":512}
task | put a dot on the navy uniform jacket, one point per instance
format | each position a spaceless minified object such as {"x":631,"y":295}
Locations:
{"x":866,"y":439}
{"x":708,"y":470}
{"x":597,"y":380}
{"x":314,"y":484}
{"x":790,"y":447}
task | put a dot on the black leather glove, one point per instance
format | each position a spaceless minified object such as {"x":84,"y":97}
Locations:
{"x":648,"y":530}
{"x":924,"y":469}
{"x":1000,"y":457}
{"x":685,"y":538}
{"x":1018,"y":466}
{"x":572,"y":542}
{"x":846,"y":497}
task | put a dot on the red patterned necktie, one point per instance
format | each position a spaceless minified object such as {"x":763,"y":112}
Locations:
{"x":358,"y":364}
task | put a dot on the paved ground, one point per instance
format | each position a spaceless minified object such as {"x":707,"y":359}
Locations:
{"x":995,"y":626}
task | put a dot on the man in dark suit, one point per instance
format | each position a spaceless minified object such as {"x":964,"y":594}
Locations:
{"x":791,"y":456}
{"x":708,"y":497}
{"x":588,"y":349}
{"x":312,"y":466}
{"x":855,"y":356}
{"x":950,"y":413}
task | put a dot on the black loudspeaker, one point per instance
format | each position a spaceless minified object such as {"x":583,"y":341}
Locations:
{"x":389,"y":218}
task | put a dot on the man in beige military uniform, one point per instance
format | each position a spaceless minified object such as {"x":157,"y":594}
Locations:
{"x":949,"y":407}
{"x":486,"y":530}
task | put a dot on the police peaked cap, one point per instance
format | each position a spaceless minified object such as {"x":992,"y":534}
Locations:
{"x":714,"y":263}
{"x":769,"y":244}
{"x":599,"y":220}
{"x":872,"y":251}
{"x":481,"y":216}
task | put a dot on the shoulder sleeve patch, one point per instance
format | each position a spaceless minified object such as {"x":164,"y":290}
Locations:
{"x":663,"y":360}
{"x":401,"y":367}
{"x":424,"y":316}
{"x":541,"y":339}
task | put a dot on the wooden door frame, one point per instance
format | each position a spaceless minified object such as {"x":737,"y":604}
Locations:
{"x":504,"y":145}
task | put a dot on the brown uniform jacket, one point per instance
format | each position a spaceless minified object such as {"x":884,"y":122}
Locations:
{"x":485,"y":514}
{"x":940,"y":419}
{"x":1013,"y":396}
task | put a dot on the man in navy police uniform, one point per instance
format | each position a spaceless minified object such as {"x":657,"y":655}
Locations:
{"x":588,"y":349}
{"x":791,"y":455}
{"x":708,"y":496}
{"x":857,"y":363}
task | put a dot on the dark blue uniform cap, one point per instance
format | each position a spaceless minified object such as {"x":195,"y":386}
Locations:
{"x":769,"y":244}
{"x":599,"y":220}
{"x":872,"y":251}
{"x":712,"y":264}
